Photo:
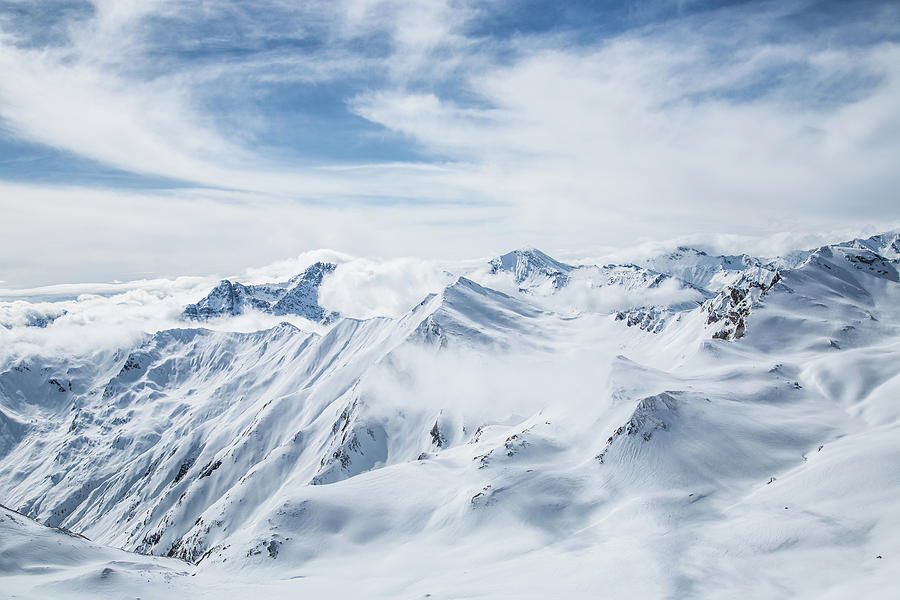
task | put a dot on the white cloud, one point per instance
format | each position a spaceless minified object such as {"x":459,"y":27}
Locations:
{"x":501,"y":389}
{"x":56,"y":235}
{"x":157,"y":125}
{"x":638,"y":134}
{"x":697,"y":125}
{"x":364,"y":288}
{"x":91,"y":324}
{"x":68,"y":100}
{"x":283,"y":270}
{"x":581,"y":295}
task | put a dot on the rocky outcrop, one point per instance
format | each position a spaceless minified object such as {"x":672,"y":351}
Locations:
{"x":729,"y":310}
{"x":354,"y":447}
{"x":651,"y":319}
{"x":303,"y":298}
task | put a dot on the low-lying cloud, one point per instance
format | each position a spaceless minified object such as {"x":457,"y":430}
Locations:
{"x":364,"y":288}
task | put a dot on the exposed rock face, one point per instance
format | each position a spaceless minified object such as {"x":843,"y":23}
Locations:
{"x":42,"y":320}
{"x":355,"y":446}
{"x":299,"y":296}
{"x":437,"y":438}
{"x":229,"y":299}
{"x":731,"y":307}
{"x":652,"y":319}
{"x":303,"y":298}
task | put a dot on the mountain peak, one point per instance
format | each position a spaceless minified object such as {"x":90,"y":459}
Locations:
{"x":528,"y":264}
{"x":297,"y":296}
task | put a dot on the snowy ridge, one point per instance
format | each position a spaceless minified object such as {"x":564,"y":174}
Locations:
{"x":470,"y":313}
{"x":755,"y":420}
{"x":885,"y":244}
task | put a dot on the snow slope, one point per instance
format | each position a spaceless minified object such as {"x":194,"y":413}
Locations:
{"x":485,"y":444}
{"x":43,"y":562}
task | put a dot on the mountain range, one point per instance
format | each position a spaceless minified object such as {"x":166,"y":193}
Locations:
{"x":684,"y":426}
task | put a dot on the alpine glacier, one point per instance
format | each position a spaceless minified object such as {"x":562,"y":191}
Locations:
{"x":681,"y":426}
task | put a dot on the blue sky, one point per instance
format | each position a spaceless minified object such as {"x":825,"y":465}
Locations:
{"x":161,"y":137}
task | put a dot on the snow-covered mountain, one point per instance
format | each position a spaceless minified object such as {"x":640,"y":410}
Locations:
{"x":716,"y":426}
{"x":640,"y":296}
{"x":298,"y":296}
{"x":532,"y":268}
{"x":535,"y":272}
{"x":712,"y":273}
